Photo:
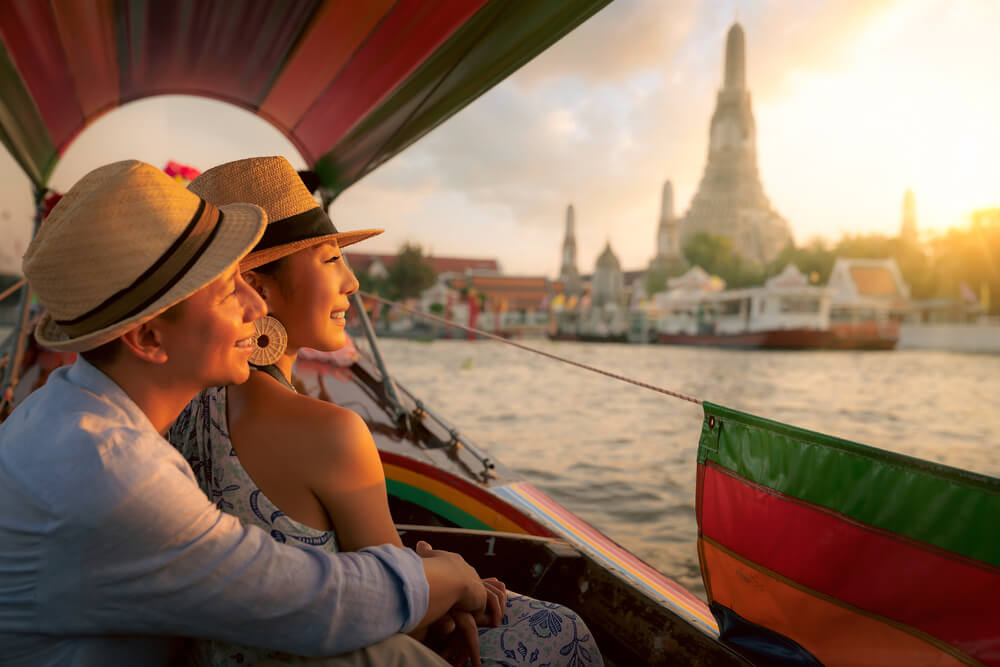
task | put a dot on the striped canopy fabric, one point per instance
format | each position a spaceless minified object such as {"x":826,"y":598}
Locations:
{"x":819,"y":550}
{"x":349,"y":82}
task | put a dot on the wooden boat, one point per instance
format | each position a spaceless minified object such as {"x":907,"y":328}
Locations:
{"x":352,"y":84}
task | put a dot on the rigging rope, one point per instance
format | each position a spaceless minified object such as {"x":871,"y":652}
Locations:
{"x":556,"y":357}
{"x":13,"y":288}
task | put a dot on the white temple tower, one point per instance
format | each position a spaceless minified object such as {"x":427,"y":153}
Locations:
{"x":730,"y":200}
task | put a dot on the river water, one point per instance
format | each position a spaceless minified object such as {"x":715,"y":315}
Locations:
{"x":623,"y":458}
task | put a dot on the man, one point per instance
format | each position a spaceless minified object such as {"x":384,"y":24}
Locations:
{"x":108,"y":549}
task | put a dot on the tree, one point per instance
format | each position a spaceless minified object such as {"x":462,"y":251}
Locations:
{"x":715,"y":254}
{"x":812,"y":259}
{"x":410,"y":274}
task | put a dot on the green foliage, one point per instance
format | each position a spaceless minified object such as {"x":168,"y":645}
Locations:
{"x":715,"y":254}
{"x":656,"y":279}
{"x":969,"y":255}
{"x":370,"y":284}
{"x":410,"y":274}
{"x":937,"y":269}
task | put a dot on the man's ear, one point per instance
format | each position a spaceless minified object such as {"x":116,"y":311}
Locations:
{"x":146,"y":342}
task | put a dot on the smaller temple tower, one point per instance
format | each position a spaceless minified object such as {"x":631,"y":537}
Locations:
{"x":608,"y":284}
{"x":669,"y":258}
{"x":908,"y":230}
{"x":568,"y":273}
{"x":667,"y":239}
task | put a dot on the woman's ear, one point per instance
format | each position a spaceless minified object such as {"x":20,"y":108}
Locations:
{"x":256,"y":281}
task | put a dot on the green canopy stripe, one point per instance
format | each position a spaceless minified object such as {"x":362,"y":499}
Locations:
{"x":946,"y":507}
{"x":22,"y":129}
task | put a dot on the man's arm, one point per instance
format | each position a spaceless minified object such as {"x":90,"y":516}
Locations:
{"x":151,"y":555}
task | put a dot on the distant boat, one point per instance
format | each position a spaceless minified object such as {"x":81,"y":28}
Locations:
{"x":786,"y":313}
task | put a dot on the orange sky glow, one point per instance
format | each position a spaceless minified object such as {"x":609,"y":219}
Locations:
{"x":855,"y":101}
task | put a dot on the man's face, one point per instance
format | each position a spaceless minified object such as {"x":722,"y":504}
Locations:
{"x":209,"y":339}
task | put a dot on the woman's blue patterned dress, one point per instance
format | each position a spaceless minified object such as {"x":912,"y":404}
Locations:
{"x":532,"y":632}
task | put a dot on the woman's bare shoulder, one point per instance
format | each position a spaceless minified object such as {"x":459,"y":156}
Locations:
{"x":311,"y":429}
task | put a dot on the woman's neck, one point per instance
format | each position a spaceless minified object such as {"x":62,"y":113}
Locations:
{"x":286,"y":362}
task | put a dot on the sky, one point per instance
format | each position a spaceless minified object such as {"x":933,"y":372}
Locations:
{"x":855,"y":101}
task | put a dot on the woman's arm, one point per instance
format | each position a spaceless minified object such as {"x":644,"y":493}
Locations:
{"x":346,"y":476}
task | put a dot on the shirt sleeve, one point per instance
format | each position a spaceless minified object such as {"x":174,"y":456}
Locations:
{"x":145,"y":552}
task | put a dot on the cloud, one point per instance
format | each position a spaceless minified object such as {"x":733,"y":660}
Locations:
{"x":604,"y":116}
{"x":624,"y":37}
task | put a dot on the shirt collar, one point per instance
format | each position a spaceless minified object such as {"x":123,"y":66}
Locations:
{"x":85,"y":375}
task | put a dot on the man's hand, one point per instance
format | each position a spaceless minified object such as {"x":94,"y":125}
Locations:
{"x":456,"y":638}
{"x":453,"y":582}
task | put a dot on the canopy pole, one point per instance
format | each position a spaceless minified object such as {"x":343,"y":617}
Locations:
{"x":19,"y":337}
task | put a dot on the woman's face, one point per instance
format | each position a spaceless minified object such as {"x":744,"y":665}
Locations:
{"x":309,"y":294}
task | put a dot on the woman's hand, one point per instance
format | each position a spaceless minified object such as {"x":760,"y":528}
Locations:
{"x":496,"y":603}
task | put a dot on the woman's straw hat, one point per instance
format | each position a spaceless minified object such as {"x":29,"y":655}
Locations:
{"x":123,"y":245}
{"x":295,"y":220}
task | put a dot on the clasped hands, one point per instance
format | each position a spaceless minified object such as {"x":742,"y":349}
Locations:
{"x":455,"y":636}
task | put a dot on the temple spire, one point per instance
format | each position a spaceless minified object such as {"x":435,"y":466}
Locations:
{"x":667,"y":240}
{"x":736,"y":77}
{"x":730,"y":200}
{"x":667,"y":202}
{"x":568,"y":273}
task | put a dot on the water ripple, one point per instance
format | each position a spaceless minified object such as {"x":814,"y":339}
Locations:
{"x":624,"y":458}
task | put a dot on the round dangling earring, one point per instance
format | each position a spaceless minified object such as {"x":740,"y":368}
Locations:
{"x":270,"y":341}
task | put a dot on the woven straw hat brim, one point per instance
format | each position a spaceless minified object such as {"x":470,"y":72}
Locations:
{"x":268,"y":255}
{"x":241,"y":227}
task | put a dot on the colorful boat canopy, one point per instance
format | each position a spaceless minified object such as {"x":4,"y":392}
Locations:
{"x":819,"y":550}
{"x":349,"y":83}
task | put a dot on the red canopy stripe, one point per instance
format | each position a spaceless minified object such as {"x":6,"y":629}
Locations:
{"x":32,"y":39}
{"x":87,"y":31}
{"x":189,"y":47}
{"x":338,"y":29}
{"x":400,"y":43}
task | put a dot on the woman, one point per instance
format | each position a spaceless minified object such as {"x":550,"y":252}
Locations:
{"x":305,"y":469}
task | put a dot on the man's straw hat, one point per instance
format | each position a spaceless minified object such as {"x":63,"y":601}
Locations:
{"x":295,"y":220}
{"x":123,"y":245}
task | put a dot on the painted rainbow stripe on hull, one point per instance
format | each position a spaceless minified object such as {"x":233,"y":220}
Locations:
{"x":453,"y":498}
{"x":609,"y":554}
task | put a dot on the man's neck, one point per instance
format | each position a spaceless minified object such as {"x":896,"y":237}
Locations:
{"x":160,"y":399}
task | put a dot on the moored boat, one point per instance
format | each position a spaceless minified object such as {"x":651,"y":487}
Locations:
{"x":786,"y":313}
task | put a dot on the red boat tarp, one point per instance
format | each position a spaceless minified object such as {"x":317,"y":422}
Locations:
{"x":349,"y":82}
{"x":816,"y":549}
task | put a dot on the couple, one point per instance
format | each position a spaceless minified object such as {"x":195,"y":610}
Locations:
{"x":108,"y":550}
